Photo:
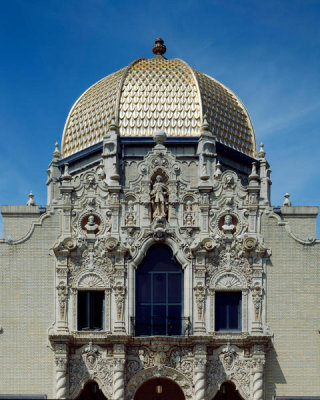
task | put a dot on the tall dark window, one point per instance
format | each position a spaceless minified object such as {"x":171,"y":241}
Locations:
{"x":159,"y":294}
{"x":228,"y":311}
{"x":90,"y":310}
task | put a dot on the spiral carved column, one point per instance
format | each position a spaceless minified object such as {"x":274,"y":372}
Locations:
{"x":257,"y":387}
{"x":61,"y":377}
{"x":199,"y":378}
{"x":118,"y":379}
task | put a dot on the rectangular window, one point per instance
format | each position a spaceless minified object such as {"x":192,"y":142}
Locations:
{"x":228,"y":311}
{"x":90,"y":310}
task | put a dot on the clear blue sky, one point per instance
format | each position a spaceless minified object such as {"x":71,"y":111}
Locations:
{"x":267,"y":52}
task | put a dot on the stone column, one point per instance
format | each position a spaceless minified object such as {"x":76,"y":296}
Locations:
{"x":118,"y":372}
{"x":200,"y":361}
{"x":257,"y":386}
{"x":61,"y":361}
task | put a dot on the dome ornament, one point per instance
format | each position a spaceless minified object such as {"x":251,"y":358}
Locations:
{"x":159,"y":48}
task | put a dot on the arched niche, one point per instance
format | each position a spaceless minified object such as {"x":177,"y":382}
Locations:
{"x":91,"y":391}
{"x":159,"y":294}
{"x":138,"y":254}
{"x":156,"y":388}
{"x":159,"y":372}
{"x":227,"y":391}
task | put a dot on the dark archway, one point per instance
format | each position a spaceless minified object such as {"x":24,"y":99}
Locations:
{"x":91,"y":391}
{"x":228,"y":391}
{"x":159,"y":294}
{"x":169,"y":390}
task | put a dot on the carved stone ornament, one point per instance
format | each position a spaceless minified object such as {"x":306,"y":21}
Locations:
{"x":62,"y":290}
{"x":178,"y":358}
{"x":90,"y":364}
{"x":91,"y":223}
{"x":64,"y":247}
{"x":228,"y":224}
{"x":249,"y":243}
{"x":111,"y":243}
{"x":87,"y":266}
{"x":159,"y":197}
{"x":90,"y":355}
{"x":257,"y":292}
{"x":200,"y":294}
{"x":228,"y":365}
{"x":119,"y":294}
{"x":227,"y":261}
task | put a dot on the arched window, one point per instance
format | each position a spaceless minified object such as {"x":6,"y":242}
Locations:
{"x":159,"y":294}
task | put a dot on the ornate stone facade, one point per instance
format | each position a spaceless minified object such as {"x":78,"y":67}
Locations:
{"x":110,"y":205}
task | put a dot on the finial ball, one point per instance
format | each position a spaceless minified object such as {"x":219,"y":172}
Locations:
{"x":159,"y":137}
{"x":159,"y":48}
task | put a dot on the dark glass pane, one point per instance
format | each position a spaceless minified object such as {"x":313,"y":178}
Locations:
{"x":96,"y":310}
{"x":159,"y":288}
{"x":158,"y":284}
{"x":159,"y":320}
{"x":144,"y":288}
{"x":143,"y":321}
{"x":221,"y":315}
{"x":234,"y":320}
{"x":174,"y":320}
{"x":159,"y":258}
{"x":83,"y":317}
{"x":174,"y":288}
{"x":228,"y":311}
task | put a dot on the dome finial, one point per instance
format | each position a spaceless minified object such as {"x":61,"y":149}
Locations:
{"x":159,"y":48}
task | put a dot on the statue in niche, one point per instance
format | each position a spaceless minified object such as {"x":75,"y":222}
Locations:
{"x":91,"y":226}
{"x":158,"y":197}
{"x":228,"y":227}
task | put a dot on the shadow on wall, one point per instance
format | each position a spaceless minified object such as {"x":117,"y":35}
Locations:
{"x":273,"y":374}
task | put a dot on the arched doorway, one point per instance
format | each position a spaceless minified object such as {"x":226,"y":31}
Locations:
{"x":159,"y":389}
{"x":227,"y":391}
{"x":91,"y":391}
{"x":159,"y":294}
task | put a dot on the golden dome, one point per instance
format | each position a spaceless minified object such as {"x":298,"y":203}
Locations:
{"x":153,"y":94}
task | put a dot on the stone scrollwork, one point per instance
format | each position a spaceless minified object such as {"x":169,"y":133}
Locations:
{"x":249,"y":243}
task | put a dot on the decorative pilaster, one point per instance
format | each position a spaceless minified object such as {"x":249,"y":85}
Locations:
{"x":257,"y":292}
{"x":200,"y":294}
{"x":61,"y":362}
{"x":119,"y":295}
{"x":118,"y":372}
